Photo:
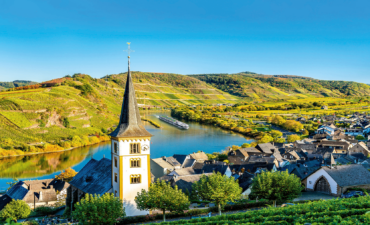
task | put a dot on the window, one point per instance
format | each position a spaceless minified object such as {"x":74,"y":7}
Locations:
{"x":115,"y":161}
{"x":135,"y":179}
{"x":135,"y":163}
{"x":115,"y":177}
{"x":115,"y":194}
{"x":135,"y":148}
{"x":115,"y":147}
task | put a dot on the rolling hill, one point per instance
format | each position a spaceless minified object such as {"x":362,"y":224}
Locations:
{"x":254,"y":86}
{"x":82,"y":105}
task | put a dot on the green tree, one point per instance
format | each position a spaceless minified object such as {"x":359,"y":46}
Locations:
{"x":246,"y":145}
{"x":293,"y":138}
{"x":279,"y":140}
{"x":360,"y":137}
{"x":95,"y":209}
{"x":217,"y":188}
{"x":276,"y":186}
{"x":163,"y":197}
{"x":16,"y":209}
{"x":12,"y":183}
{"x":276,"y":134}
{"x":305,"y":132}
{"x":266,"y":138}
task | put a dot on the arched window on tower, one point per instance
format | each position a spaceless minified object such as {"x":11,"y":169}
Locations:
{"x":135,"y":148}
{"x":115,"y":147}
{"x":115,"y":161}
{"x":115,"y":178}
{"x":135,"y":179}
{"x":135,"y":162}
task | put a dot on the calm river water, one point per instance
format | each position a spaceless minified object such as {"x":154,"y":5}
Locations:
{"x":167,"y":140}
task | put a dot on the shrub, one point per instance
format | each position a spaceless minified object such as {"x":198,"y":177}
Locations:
{"x":16,"y":209}
{"x":95,"y":209}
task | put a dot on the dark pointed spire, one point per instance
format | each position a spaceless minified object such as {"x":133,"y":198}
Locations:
{"x":130,"y":124}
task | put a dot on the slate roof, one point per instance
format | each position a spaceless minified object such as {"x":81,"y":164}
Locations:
{"x":188,"y":163}
{"x":183,"y":171}
{"x":4,"y":200}
{"x":186,"y":182}
{"x":245,"y":180}
{"x":213,"y":168}
{"x":171,"y":160}
{"x":180,"y":158}
{"x":303,"y":172}
{"x":251,"y":150}
{"x":198,"y":165}
{"x":349,"y":175}
{"x":95,"y":177}
{"x":18,"y":191}
{"x":30,"y":191}
{"x":199,"y":156}
{"x":266,"y":148}
{"x":163,"y":163}
{"x":258,"y":159}
{"x":130,"y":124}
{"x":288,"y":168}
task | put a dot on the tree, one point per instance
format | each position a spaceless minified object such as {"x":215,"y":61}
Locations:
{"x":276,"y":134}
{"x":279,"y":140}
{"x":360,"y":137}
{"x":246,"y":145}
{"x":293,"y":138}
{"x":265,"y":139}
{"x":67,"y":175}
{"x":16,"y":209}
{"x":305,"y":132}
{"x":12,"y":183}
{"x":163,"y":197}
{"x":217,"y":188}
{"x":96,"y":209}
{"x":276,"y":186}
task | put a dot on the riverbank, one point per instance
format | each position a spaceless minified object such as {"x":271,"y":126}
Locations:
{"x":75,"y":142}
{"x":151,"y":122}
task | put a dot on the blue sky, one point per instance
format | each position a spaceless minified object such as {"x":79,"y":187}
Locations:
{"x":42,"y":40}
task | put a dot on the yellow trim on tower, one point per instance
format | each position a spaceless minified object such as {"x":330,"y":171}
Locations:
{"x":120,"y":178}
{"x":131,"y":138}
{"x":149,"y":173}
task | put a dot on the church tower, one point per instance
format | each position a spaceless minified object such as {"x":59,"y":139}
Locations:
{"x":130,"y":152}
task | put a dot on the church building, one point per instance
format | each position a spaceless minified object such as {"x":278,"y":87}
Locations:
{"x":128,"y":171}
{"x":130,"y":152}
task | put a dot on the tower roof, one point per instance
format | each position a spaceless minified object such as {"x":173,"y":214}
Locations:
{"x":130,"y":124}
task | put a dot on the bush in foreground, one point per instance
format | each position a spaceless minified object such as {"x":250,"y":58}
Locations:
{"x":16,"y":209}
{"x":95,"y":209}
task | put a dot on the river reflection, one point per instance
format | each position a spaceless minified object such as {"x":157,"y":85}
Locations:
{"x":167,"y":140}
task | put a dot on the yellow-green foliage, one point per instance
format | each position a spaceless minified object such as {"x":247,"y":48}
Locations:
{"x":18,"y":118}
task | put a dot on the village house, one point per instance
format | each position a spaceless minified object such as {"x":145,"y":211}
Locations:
{"x":362,"y":148}
{"x":199,"y":156}
{"x":36,"y":193}
{"x":94,"y":178}
{"x":335,"y":180}
{"x":160,"y":167}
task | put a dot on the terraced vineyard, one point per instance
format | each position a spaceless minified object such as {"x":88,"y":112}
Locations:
{"x":340,"y":211}
{"x":83,"y":105}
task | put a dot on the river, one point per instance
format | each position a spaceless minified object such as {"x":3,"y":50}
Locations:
{"x":167,"y":140}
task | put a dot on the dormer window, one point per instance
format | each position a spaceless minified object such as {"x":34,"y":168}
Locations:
{"x":135,"y":148}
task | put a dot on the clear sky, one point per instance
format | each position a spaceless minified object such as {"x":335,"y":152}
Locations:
{"x":42,"y":40}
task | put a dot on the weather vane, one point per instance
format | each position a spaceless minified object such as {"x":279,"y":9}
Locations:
{"x":129,"y":49}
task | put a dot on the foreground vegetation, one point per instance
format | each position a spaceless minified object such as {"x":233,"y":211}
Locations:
{"x":340,"y":211}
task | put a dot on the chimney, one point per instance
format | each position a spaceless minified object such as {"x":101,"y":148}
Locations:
{"x":40,"y":196}
{"x":164,"y":158}
{"x":29,"y":187}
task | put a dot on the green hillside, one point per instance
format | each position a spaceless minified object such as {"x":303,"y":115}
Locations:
{"x":14,"y":84}
{"x":280,"y":87}
{"x":83,"y":105}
